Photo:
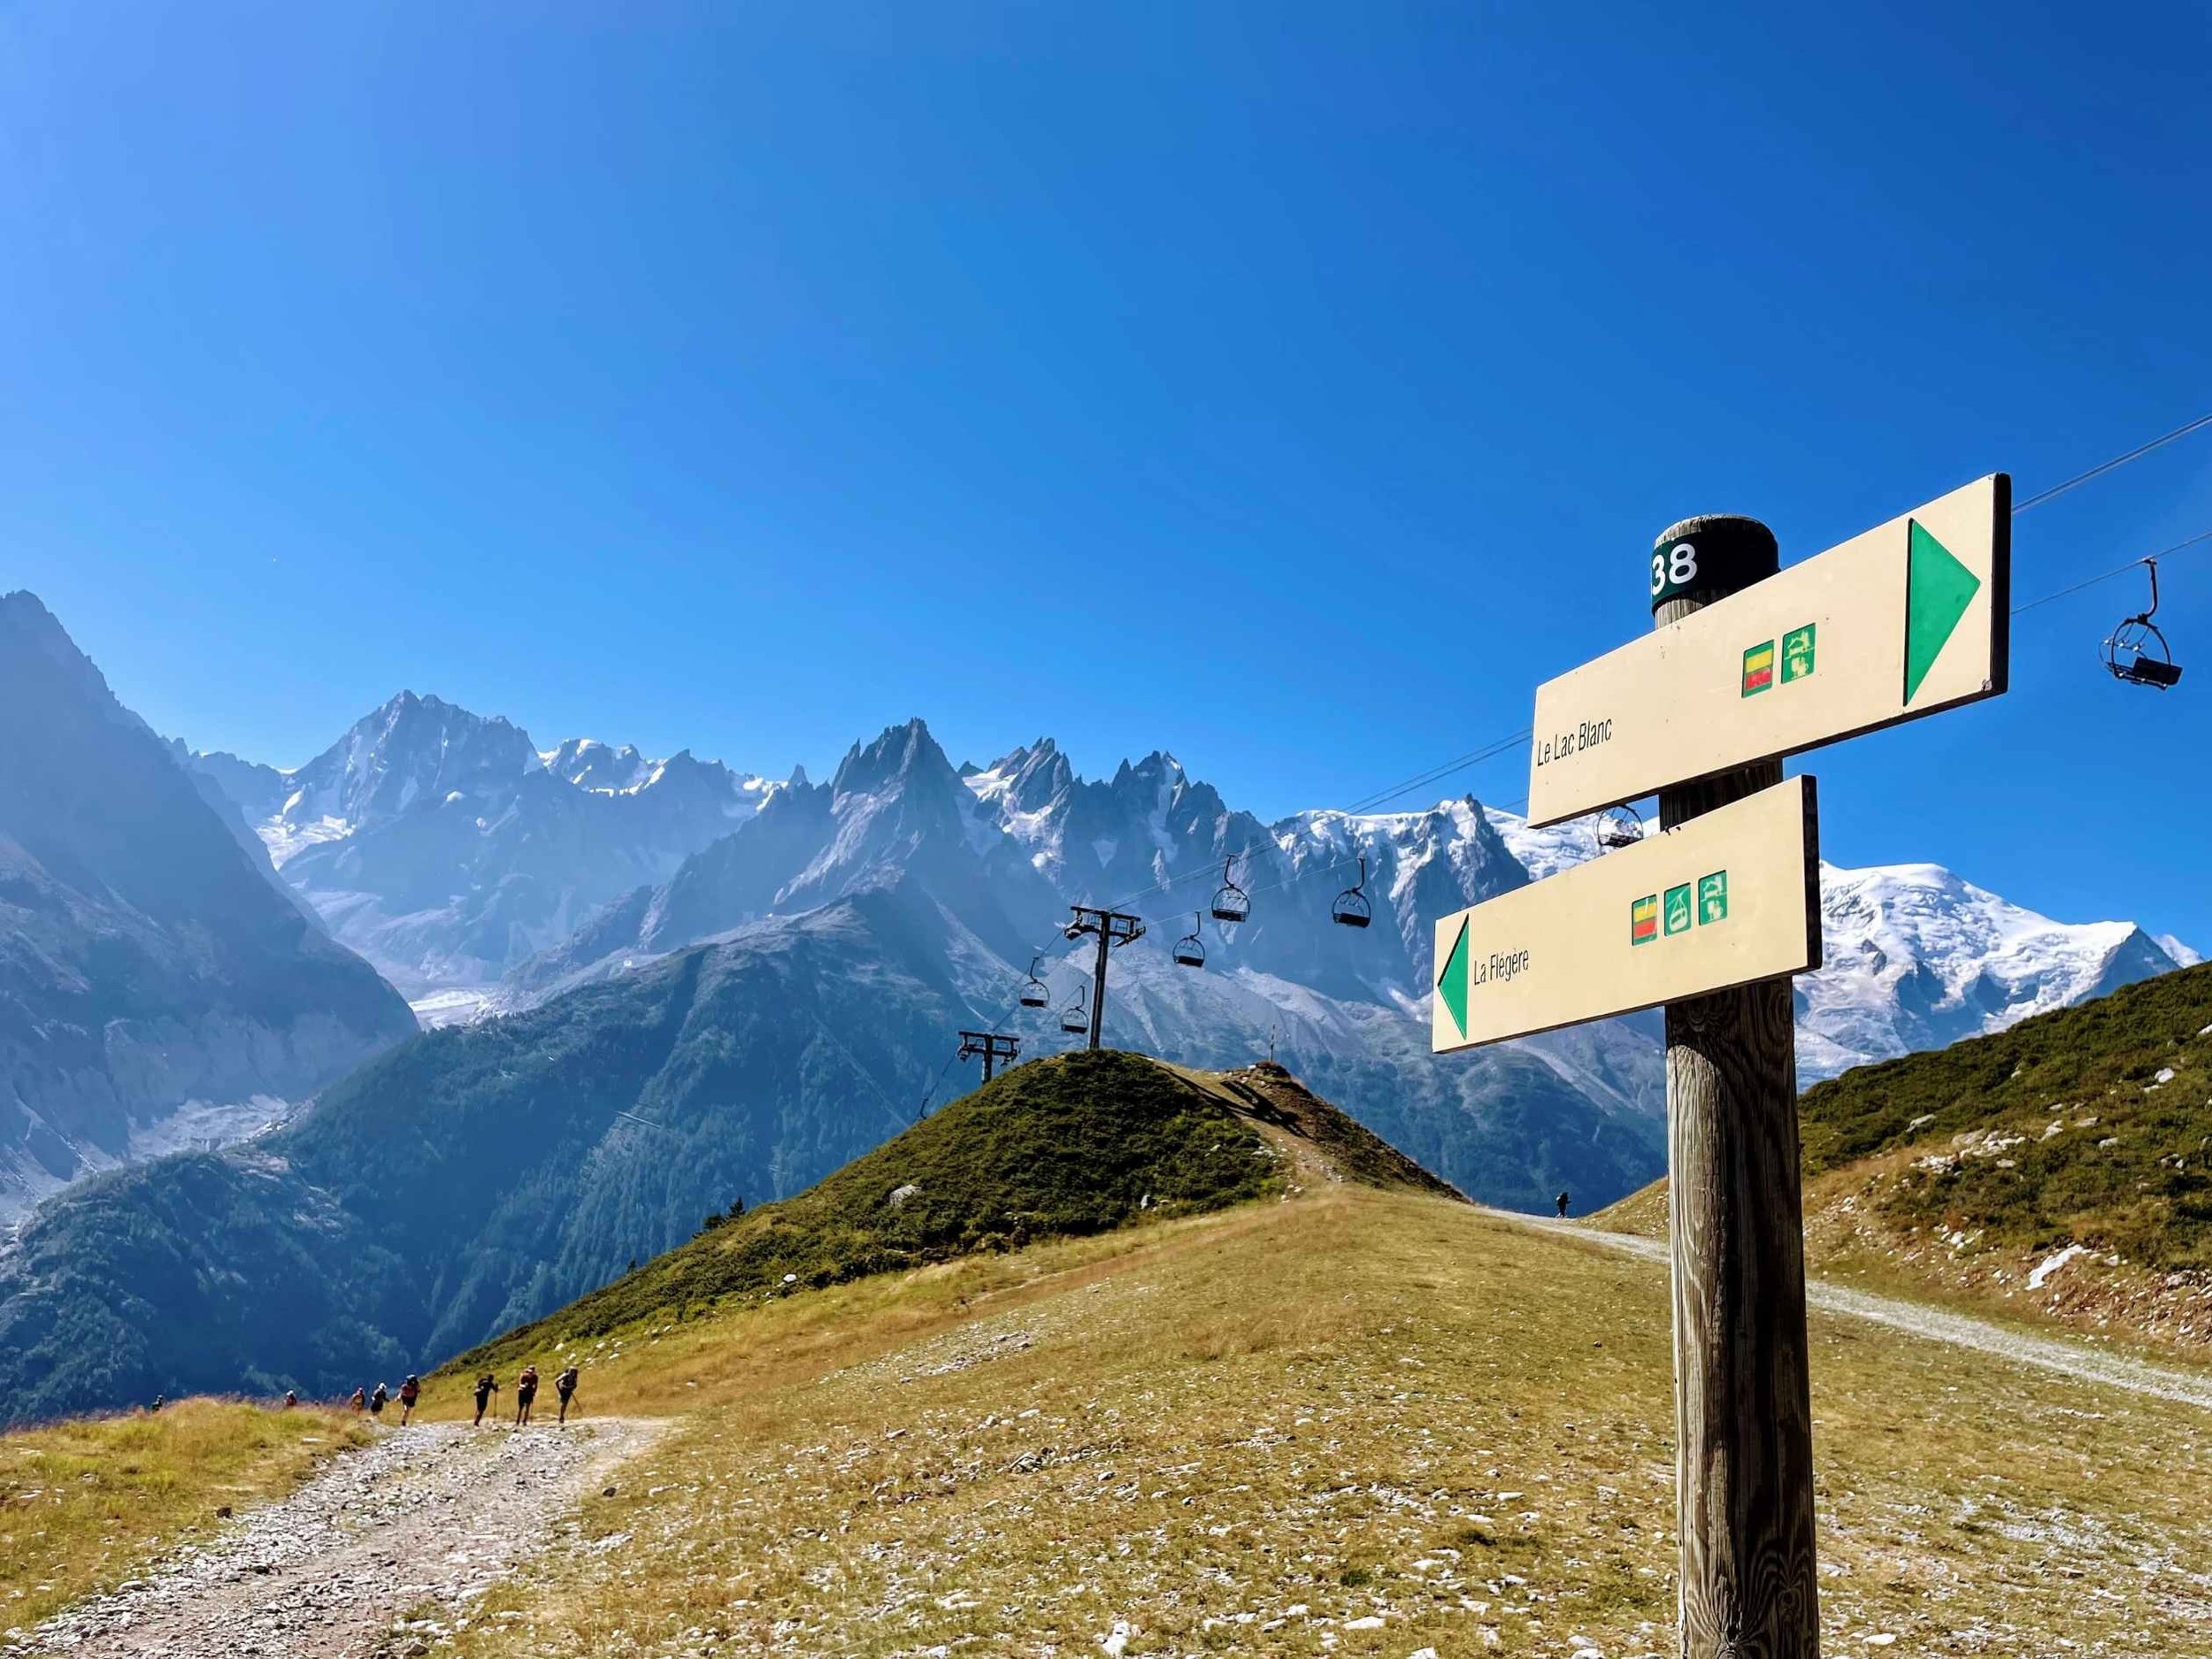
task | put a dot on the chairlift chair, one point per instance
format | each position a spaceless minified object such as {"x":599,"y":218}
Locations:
{"x":1351,"y":908}
{"x":1231,"y":904}
{"x":1190,"y":949}
{"x":1034,"y":994}
{"x":1075,"y":1018}
{"x":1619,"y":828}
{"x":2137,"y":652}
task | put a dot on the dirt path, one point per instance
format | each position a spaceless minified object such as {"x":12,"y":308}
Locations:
{"x":432,"y":1513}
{"x":1937,"y":1324}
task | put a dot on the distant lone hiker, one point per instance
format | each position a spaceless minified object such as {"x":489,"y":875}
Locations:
{"x":486,"y":1386}
{"x":378,"y":1400}
{"x":1563,"y":1206}
{"x":409,"y":1392}
{"x":290,"y":1398}
{"x":565,"y":1385}
{"x":525,"y":1391}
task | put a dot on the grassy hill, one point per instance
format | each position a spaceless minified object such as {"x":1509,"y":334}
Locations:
{"x":1061,"y":1147}
{"x":1353,"y":1422}
{"x":1958,"y":1173}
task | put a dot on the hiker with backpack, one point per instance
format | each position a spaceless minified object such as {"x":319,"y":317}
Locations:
{"x":486,"y":1386}
{"x":525,"y":1391}
{"x":565,"y":1385}
{"x":409,"y":1392}
{"x":376,"y":1401}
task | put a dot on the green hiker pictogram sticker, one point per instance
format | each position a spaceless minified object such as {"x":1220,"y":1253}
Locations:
{"x":1797,"y":653}
{"x":1712,"y":897}
{"x":1679,"y":910}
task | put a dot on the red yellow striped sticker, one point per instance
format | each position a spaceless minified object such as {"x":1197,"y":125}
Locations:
{"x":1758,"y":667}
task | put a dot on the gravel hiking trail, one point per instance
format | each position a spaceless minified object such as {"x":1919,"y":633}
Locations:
{"x":434,"y":1513}
{"x":1938,"y":1324}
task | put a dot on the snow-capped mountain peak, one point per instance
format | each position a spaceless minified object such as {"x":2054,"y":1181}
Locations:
{"x":589,"y":764}
{"x":444,"y":845}
{"x":1917,"y":956}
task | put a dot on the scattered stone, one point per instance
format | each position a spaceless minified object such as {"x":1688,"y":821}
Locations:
{"x":350,"y":1548}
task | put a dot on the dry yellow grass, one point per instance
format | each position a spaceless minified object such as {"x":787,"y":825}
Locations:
{"x":1351,"y":1424}
{"x":81,"y":1503}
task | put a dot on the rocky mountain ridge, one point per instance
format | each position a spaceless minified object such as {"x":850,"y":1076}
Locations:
{"x":444,"y":846}
{"x":156,"y":989}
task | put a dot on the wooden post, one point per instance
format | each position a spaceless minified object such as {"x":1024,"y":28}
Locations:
{"x":1742,"y":1407}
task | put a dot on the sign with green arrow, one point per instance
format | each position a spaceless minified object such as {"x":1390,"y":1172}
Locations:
{"x":1904,"y":620}
{"x":1730,"y":897}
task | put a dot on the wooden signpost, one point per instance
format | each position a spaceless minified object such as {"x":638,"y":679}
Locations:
{"x":1746,"y":665}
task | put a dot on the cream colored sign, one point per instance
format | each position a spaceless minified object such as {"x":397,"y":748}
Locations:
{"x":1725,"y":899}
{"x":1900,"y":622}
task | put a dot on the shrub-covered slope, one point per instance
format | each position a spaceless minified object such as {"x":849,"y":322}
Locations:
{"x":2090,"y":1125}
{"x":1065,"y":1147}
{"x":2058,"y":1168}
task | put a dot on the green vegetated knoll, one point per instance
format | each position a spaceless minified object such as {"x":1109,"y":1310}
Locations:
{"x":1060,"y":1147}
{"x":2089,"y":1125}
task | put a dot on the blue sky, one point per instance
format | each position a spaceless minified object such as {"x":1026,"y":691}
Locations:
{"x":1291,"y":386}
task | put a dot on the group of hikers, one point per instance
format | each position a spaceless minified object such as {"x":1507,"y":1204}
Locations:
{"x":486,"y":1386}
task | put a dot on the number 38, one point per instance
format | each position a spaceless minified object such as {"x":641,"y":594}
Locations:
{"x":1672,"y":567}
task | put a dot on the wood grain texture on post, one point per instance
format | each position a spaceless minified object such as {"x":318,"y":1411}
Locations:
{"x":1743,"y":1408}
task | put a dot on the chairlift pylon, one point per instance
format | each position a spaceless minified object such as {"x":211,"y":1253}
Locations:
{"x":2136,"y":651}
{"x":1231,"y":902}
{"x":1190,"y":949}
{"x":1034,"y":994}
{"x":1351,"y":909}
{"x":1619,"y":828}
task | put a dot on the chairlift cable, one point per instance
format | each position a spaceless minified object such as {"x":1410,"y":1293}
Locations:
{"x":891,"y":1105}
{"x":2099,"y":470}
{"x":2193,"y":542}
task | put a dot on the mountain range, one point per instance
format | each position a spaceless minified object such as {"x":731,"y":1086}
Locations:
{"x":480,"y":874}
{"x":709,"y":988}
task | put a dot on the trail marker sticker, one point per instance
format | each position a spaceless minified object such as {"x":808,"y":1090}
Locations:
{"x":1712,"y":898}
{"x":1758,"y":667}
{"x":1727,"y":898}
{"x":1902,"y":621}
{"x":1797,"y":652}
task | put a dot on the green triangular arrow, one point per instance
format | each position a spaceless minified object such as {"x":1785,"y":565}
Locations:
{"x":1451,"y":984}
{"x":1937,"y":589}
